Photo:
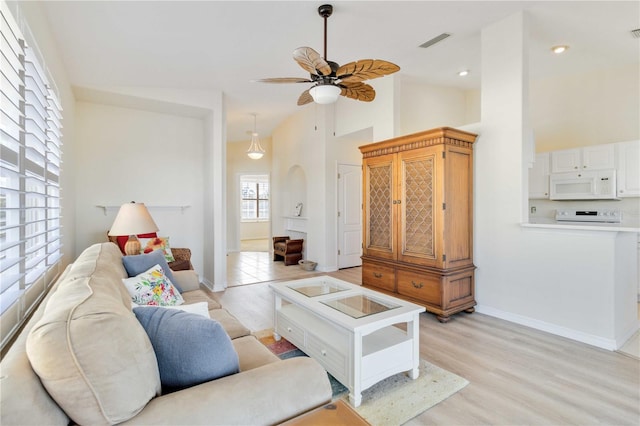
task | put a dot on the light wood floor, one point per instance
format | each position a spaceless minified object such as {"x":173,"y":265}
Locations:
{"x":517,"y":375}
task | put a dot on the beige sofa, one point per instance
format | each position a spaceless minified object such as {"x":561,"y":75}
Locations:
{"x":95,"y":363}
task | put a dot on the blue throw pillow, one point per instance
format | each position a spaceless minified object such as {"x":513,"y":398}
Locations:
{"x":190,"y":349}
{"x":139,"y":263}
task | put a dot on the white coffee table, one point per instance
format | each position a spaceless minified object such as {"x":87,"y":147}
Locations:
{"x":349,"y":329}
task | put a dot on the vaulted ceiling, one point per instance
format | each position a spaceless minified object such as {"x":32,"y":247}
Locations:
{"x":224,"y":45}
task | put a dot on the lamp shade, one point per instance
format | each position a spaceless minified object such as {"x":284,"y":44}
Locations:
{"x":132,"y":219}
{"x":325,"y":93}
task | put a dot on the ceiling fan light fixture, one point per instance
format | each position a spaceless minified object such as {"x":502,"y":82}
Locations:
{"x":325,"y":93}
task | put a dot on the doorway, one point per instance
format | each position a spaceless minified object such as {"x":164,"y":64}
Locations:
{"x":349,"y":215}
{"x":255,"y":210}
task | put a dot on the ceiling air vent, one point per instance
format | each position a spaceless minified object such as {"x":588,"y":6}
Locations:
{"x":636,"y":33}
{"x":434,"y":40}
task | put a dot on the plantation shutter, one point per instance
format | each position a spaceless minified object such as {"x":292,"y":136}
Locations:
{"x":30,"y":164}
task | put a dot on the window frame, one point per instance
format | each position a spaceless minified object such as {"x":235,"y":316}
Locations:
{"x":258,"y":180}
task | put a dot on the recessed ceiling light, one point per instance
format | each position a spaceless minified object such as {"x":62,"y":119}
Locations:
{"x":463,"y":73}
{"x":559,"y":49}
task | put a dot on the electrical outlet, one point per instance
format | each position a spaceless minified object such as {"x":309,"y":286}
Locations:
{"x":533,"y":209}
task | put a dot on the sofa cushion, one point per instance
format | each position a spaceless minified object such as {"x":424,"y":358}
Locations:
{"x":137,"y":264}
{"x":199,"y":295}
{"x":88,"y":349}
{"x":152,"y":287}
{"x":190,"y":349}
{"x":231,"y":325}
{"x":252,"y":353}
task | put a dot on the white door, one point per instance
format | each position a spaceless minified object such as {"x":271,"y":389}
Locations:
{"x":349,"y":215}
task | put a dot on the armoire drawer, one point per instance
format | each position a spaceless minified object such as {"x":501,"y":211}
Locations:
{"x":425,"y":287}
{"x":379,"y":276}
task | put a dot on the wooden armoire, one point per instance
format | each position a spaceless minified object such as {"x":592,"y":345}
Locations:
{"x":418,"y":219}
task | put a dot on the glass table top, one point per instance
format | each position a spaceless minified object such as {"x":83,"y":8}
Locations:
{"x":359,"y":306}
{"x":317,"y":289}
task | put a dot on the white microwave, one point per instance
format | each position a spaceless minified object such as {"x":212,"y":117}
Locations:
{"x":583,"y":185}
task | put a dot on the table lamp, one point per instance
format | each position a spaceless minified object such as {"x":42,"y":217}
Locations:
{"x":133,"y":219}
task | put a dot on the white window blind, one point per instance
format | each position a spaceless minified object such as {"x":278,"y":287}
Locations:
{"x":30,"y":165}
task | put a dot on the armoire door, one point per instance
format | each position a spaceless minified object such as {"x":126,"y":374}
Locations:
{"x":420,"y":176}
{"x":379,"y":207}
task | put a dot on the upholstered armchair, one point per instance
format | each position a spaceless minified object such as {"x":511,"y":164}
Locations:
{"x":182,"y":256}
{"x":288,"y":250}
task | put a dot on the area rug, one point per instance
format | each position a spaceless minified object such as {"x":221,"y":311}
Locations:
{"x":394,"y":400}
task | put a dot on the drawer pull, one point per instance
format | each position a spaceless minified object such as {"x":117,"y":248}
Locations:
{"x":377,"y":274}
{"x":417,"y":285}
{"x":323,"y":352}
{"x":289,"y":329}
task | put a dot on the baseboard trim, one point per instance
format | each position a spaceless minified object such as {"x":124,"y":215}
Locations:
{"x":326,"y":268}
{"x":590,"y":339}
{"x":211,"y":286}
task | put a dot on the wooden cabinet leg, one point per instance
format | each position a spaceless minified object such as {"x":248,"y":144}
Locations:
{"x":470,"y":310}
{"x":443,"y":319}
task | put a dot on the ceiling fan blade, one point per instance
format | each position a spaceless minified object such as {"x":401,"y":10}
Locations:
{"x":305,"y":98}
{"x":358,"y":91}
{"x":284,"y":80}
{"x":311,"y":61}
{"x":365,"y":69}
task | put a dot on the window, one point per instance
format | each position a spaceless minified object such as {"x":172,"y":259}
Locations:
{"x":254,"y":193}
{"x":30,"y":164}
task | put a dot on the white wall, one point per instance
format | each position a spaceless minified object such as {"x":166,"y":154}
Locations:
{"x":134,"y":155}
{"x":586,"y":109}
{"x":381,"y":115}
{"x":568,"y":282}
{"x":299,"y":142}
{"x":426,"y":106}
{"x":209,"y":106}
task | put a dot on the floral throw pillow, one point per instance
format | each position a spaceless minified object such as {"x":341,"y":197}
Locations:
{"x":147,"y":245}
{"x":153,"y":288}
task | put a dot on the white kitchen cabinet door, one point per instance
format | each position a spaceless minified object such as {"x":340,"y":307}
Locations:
{"x":539,"y":177}
{"x":597,"y":157}
{"x":566,"y":160}
{"x":628,"y":166}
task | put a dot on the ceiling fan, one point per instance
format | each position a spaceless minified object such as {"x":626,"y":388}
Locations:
{"x":330,"y":79}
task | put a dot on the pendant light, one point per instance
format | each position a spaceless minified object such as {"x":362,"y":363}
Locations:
{"x":255,"y":151}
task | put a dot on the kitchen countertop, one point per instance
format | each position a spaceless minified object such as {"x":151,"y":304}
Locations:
{"x":584,"y":226}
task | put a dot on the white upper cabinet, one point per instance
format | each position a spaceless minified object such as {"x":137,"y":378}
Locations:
{"x":599,"y":157}
{"x":539,"y":177}
{"x":596,"y":157}
{"x":628,"y":166}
